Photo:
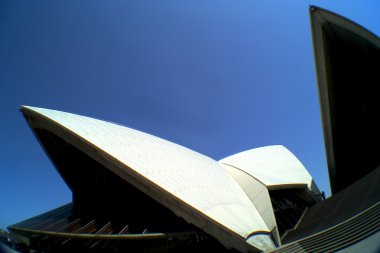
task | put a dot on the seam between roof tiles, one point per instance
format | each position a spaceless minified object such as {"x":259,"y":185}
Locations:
{"x":244,"y":173}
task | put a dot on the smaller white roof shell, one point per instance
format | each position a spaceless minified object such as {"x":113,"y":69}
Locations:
{"x":192,"y":185}
{"x":274,"y":166}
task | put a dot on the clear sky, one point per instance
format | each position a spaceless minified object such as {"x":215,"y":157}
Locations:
{"x":216,"y":76}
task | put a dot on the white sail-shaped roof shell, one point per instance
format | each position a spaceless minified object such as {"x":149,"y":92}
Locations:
{"x":274,"y":166}
{"x":192,"y":185}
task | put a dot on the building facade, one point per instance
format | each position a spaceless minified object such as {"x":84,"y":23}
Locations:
{"x":137,"y":192}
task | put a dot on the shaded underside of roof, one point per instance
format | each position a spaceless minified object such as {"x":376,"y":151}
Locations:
{"x":344,"y":220}
{"x":100,"y":195}
{"x":62,"y":230}
{"x":347,"y":62}
{"x":190,"y":184}
{"x":342,"y":206}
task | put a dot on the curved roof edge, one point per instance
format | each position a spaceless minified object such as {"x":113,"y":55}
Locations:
{"x":215,"y":202}
{"x":274,"y":166}
{"x":345,"y":55}
{"x":259,"y":195}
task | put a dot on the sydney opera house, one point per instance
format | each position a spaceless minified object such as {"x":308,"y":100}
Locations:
{"x":134,"y":192}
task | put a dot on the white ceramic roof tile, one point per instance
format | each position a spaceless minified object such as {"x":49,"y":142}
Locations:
{"x":271,"y":165}
{"x":193,"y":178}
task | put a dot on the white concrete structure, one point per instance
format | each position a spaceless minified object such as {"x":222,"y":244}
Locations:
{"x":259,"y":196}
{"x":192,"y":185}
{"x":274,"y":166}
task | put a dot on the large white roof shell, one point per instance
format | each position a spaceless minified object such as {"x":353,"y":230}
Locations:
{"x":274,"y":166}
{"x":192,"y":185}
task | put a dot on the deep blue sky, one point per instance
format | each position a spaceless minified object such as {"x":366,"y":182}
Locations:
{"x":216,"y":76}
